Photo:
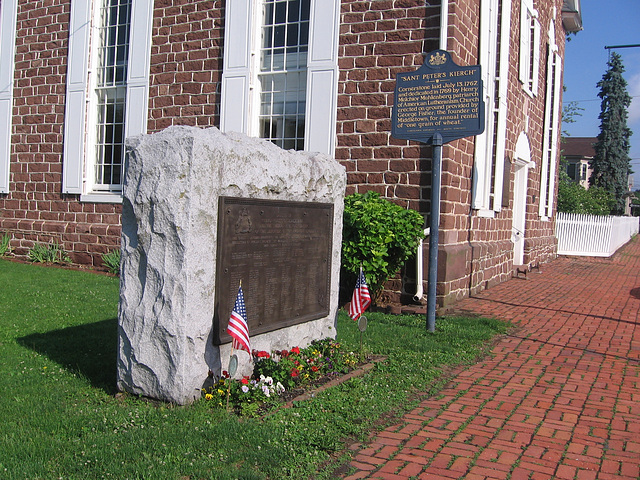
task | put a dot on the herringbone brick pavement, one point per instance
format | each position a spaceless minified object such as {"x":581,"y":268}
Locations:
{"x":558,"y":398}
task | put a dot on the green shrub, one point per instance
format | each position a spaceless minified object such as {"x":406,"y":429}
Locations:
{"x":573,"y":198}
{"x":48,"y":253}
{"x":111,"y":261}
{"x":5,"y":246}
{"x":380,"y":236}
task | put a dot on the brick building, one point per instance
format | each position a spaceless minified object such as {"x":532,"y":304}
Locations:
{"x":77,"y":78}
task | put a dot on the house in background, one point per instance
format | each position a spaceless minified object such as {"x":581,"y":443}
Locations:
{"x":578,"y":152}
{"x":78,"y":77}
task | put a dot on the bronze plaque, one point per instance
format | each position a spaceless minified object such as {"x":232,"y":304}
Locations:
{"x":281,"y":251}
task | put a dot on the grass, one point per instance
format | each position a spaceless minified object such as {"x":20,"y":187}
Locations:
{"x":63,"y":419}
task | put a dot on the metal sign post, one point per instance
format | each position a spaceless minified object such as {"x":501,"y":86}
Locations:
{"x":434,"y":224}
{"x":436,"y":104}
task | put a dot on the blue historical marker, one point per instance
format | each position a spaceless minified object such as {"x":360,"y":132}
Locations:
{"x":438,"y":103}
{"x":440,"y":97}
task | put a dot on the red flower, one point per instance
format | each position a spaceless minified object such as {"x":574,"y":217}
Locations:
{"x":314,"y":368}
{"x":295,"y":350}
{"x":225,"y":374}
{"x":284,"y":353}
{"x":245,"y":380}
{"x":295,"y":372}
{"x":262,"y":354}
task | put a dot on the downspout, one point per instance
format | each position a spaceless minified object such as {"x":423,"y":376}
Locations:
{"x":444,"y":23}
{"x":419,"y":269}
{"x":444,"y":26}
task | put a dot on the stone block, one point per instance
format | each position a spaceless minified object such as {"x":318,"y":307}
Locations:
{"x":171,"y":192}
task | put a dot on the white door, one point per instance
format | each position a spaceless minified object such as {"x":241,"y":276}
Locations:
{"x":519,"y":212}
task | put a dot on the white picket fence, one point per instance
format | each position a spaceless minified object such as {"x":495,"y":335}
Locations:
{"x":593,"y":235}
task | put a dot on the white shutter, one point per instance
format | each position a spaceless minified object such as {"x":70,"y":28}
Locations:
{"x":75,"y":106}
{"x":234,"y":105}
{"x":554,"y":130}
{"x":8,"y":19}
{"x":524,"y":44}
{"x":536,"y":56}
{"x":544,"y":170}
{"x":138,"y":69}
{"x":482,"y":161}
{"x":322,"y":77}
{"x":503,"y":90}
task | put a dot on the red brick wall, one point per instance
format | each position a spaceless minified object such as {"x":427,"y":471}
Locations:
{"x":35,"y":210}
{"x":378,"y":39}
{"x":186,"y":63}
{"x":184,"y":90}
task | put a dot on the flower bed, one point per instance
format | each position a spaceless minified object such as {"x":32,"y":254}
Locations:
{"x":281,"y":375}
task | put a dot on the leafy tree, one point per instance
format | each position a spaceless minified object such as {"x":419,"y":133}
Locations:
{"x":574,"y":198}
{"x":570,"y":111}
{"x":611,"y":164}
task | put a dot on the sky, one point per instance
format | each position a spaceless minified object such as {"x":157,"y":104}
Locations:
{"x":610,"y":23}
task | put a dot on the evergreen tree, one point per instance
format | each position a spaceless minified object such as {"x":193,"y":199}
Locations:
{"x":611,"y":164}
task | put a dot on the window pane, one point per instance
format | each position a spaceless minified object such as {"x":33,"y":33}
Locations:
{"x":283,"y":71}
{"x":110,"y":137}
{"x":112,"y":61}
{"x":281,"y":12}
{"x":294,"y":11}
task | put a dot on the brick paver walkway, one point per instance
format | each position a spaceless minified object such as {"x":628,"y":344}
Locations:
{"x":558,"y":399}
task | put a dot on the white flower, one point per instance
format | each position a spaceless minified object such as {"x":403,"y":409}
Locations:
{"x":265,"y":390}
{"x":279,"y":388}
{"x":245,"y":389}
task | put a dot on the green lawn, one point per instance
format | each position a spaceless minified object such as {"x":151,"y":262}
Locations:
{"x":61,"y":417}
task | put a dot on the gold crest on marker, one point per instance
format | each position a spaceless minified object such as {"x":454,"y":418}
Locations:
{"x":437,"y":59}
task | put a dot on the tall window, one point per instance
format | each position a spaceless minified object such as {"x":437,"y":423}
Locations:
{"x":280,"y":71}
{"x":495,"y":17}
{"x":551,"y":127}
{"x":529,"y":47}
{"x":107,"y":93}
{"x":283,"y":71}
{"x":111,"y":61}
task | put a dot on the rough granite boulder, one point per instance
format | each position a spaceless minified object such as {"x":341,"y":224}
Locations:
{"x":168,"y":271}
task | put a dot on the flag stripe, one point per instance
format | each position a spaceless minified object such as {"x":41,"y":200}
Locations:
{"x":361,"y":298}
{"x":238,"y":328}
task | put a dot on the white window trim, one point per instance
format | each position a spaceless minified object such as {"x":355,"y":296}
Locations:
{"x":8,"y":20}
{"x":239,"y":97}
{"x":495,"y":92}
{"x":551,"y":131}
{"x":77,"y":150}
{"x":529,"y":68}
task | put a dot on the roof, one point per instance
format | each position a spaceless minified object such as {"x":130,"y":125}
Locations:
{"x":579,"y":146}
{"x":572,"y":15}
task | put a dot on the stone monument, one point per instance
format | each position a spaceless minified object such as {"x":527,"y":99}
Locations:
{"x":203,"y":211}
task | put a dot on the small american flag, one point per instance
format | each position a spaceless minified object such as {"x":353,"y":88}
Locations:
{"x":238,"y":328}
{"x":361,"y":298}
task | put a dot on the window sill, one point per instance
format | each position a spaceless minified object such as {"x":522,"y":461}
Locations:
{"x":486,"y":213}
{"x":101,"y":198}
